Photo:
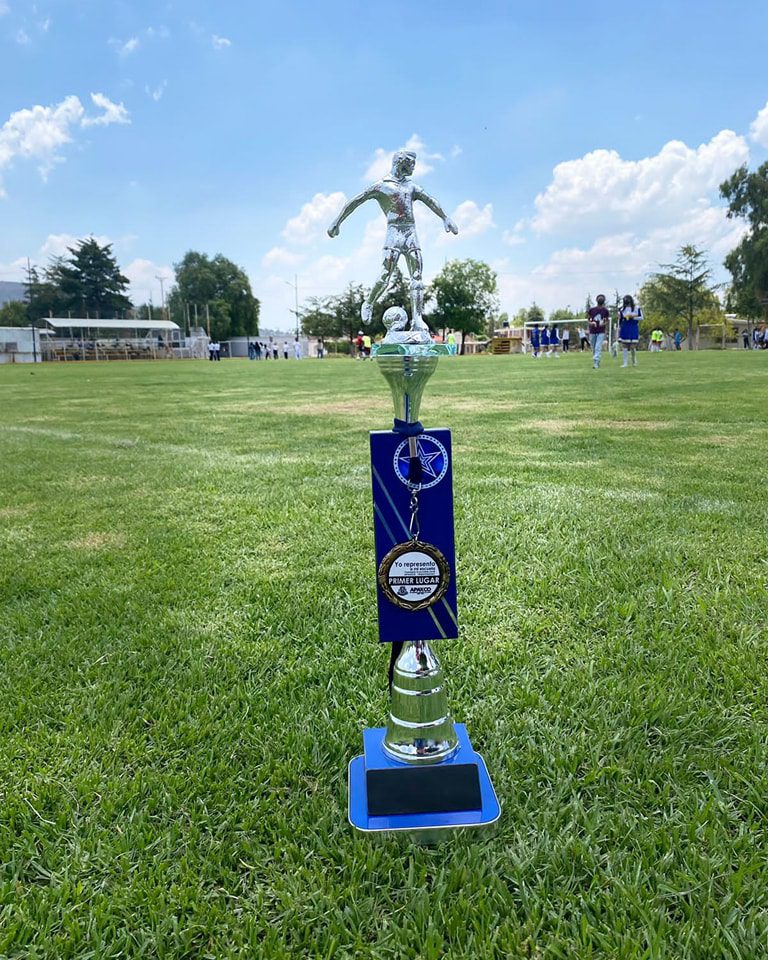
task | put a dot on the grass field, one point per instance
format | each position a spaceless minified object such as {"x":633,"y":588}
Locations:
{"x":188,"y":656}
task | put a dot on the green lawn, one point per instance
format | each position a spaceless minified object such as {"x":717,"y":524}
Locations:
{"x":188,"y":656}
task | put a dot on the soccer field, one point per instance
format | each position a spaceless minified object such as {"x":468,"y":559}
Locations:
{"x":188,"y":657}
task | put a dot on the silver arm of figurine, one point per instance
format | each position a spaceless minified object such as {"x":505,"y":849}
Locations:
{"x":349,"y":207}
{"x":434,"y":206}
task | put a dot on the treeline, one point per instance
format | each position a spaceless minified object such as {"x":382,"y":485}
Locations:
{"x":87,"y":282}
{"x":463,"y":297}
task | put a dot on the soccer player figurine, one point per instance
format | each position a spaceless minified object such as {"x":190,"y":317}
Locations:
{"x":395,"y":195}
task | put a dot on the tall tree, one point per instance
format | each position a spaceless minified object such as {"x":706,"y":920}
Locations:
{"x":534,"y":314}
{"x":747,"y":196}
{"x":466,"y":297}
{"x":219,"y":287}
{"x":89,"y":280}
{"x":681,"y":292}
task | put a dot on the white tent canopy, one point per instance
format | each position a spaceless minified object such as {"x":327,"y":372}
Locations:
{"x":78,"y":323}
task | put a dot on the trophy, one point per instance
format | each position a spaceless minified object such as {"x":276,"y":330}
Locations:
{"x":420,"y":772}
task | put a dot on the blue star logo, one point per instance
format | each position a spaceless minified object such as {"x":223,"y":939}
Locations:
{"x":433,"y":457}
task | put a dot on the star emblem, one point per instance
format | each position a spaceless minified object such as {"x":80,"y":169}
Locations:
{"x":427,"y":457}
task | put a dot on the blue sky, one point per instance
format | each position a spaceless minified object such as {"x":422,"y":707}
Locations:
{"x":576,"y":145}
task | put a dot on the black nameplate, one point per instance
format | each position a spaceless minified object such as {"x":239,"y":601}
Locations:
{"x":433,"y":789}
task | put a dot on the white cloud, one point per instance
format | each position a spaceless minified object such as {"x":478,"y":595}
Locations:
{"x":22,"y":37}
{"x":38,"y":133}
{"x":280,"y":257}
{"x":758,"y":131}
{"x":381,"y":163}
{"x":45,"y":25}
{"x":130,"y":46}
{"x":157,"y":92}
{"x":15,"y":271}
{"x":144,"y":285}
{"x":220,"y":43}
{"x":58,"y":244}
{"x":4,"y":8}
{"x":602,"y":189}
{"x":113,"y":112}
{"x":314,"y":218}
{"x":471,"y":219}
{"x":456,"y":151}
{"x":512,"y":239}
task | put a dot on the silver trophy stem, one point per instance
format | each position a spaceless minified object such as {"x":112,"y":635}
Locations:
{"x":420,"y":729}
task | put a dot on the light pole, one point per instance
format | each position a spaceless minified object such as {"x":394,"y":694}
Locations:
{"x":295,"y":286}
{"x":162,"y":294}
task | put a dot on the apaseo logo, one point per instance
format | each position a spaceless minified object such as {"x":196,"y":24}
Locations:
{"x":434,"y":461}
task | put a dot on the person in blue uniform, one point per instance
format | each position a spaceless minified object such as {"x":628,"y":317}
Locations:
{"x":630,"y":316}
{"x":535,"y":341}
{"x":545,"y":339}
{"x":554,"y":341}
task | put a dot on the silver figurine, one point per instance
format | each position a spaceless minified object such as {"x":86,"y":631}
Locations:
{"x":395,"y":195}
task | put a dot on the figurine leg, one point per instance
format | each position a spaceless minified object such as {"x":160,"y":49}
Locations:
{"x":415,"y":266}
{"x":379,"y":288}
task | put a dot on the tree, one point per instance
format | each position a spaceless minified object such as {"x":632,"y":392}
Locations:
{"x":747,"y":196}
{"x":89,"y":281}
{"x":14,"y":314}
{"x":466,"y":297}
{"x":562,"y":315}
{"x":683,"y":293}
{"x":219,"y":286}
{"x":534,"y":314}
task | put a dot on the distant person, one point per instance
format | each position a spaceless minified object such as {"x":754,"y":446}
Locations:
{"x":451,"y":341}
{"x":217,"y":350}
{"x":545,"y":340}
{"x":359,"y":345}
{"x":657,"y":338}
{"x":745,"y":338}
{"x":554,"y":341}
{"x":297,"y":348}
{"x":285,"y":349}
{"x":366,"y":346}
{"x":257,"y":350}
{"x":583,"y":338}
{"x":630,"y":316}
{"x":566,"y":339}
{"x":320,"y":348}
{"x":678,"y":338}
{"x":535,"y":341}
{"x":211,"y":350}
{"x":598,"y":318}
{"x":251,"y":351}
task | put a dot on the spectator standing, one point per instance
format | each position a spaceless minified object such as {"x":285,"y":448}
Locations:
{"x":297,"y":348}
{"x":745,"y":338}
{"x":566,"y":339}
{"x":678,"y":338}
{"x":320,"y":348}
{"x":366,"y":346}
{"x":630,"y":316}
{"x":211,"y":350}
{"x":535,"y":341}
{"x":554,"y":341}
{"x":545,"y":340}
{"x":451,"y":341}
{"x":583,"y":338}
{"x":359,"y":345}
{"x":598,"y":318}
{"x":285,"y":349}
{"x":657,"y":336}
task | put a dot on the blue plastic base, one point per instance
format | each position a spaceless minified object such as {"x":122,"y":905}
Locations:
{"x":375,"y":758}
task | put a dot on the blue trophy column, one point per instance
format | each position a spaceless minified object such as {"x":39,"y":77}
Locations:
{"x":419,"y":772}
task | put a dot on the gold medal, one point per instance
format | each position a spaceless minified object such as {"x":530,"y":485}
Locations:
{"x":414,"y":575}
